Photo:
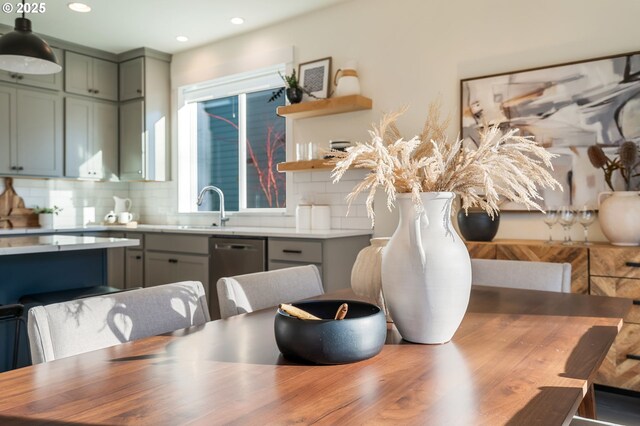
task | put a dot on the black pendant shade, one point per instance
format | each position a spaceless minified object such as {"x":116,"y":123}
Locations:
{"x":24,"y":52}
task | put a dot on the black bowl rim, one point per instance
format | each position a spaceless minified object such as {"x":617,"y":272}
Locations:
{"x":286,"y":315}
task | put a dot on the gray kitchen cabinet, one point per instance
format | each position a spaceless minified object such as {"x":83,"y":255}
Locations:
{"x":88,"y":76}
{"x":334,"y":257}
{"x":46,"y":81}
{"x":132,"y":79}
{"x":173,"y":258}
{"x":91,"y":138}
{"x":134,"y":268}
{"x":31,"y":133}
{"x":144,"y":121}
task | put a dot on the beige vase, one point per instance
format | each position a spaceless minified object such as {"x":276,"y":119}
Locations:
{"x":366,"y":275}
{"x":619,"y":217}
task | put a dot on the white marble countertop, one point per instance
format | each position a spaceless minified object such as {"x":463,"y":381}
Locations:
{"x":54,"y":243}
{"x":199,"y":229}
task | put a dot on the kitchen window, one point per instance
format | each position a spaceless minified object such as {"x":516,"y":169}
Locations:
{"x":235,"y":139}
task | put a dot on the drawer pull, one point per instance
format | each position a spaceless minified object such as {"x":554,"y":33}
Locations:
{"x":633,"y":356}
{"x":633,"y":264}
{"x":292,"y":251}
{"x":173,"y":260}
{"x":636,"y":301}
{"x":138,"y":257}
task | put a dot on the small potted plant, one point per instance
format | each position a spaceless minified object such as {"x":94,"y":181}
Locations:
{"x":292,"y":87}
{"x":45,"y":215}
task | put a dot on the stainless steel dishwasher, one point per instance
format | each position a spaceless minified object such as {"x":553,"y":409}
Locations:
{"x":233,"y":256}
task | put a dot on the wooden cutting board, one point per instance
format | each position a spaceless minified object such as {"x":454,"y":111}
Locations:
{"x":9,"y":200}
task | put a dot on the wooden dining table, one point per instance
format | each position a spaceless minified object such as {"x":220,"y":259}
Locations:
{"x":520,"y":357}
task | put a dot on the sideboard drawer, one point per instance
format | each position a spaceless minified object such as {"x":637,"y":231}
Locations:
{"x":621,"y":367}
{"x":619,"y":287}
{"x":295,"y":250}
{"x":615,"y":261}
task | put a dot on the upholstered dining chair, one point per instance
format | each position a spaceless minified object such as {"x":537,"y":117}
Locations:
{"x":251,"y":292}
{"x":70,"y":328}
{"x":544,"y":276}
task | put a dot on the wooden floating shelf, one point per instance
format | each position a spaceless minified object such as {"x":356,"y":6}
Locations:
{"x":326,"y":107}
{"x":299,"y":166}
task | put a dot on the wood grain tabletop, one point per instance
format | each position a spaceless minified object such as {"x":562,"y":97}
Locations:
{"x":520,"y":357}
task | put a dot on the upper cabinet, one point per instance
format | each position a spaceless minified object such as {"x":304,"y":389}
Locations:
{"x":144,"y":119}
{"x":91,"y":138}
{"x":30,"y":132}
{"x":88,"y":76}
{"x":132,"y":79}
{"x":48,"y":81}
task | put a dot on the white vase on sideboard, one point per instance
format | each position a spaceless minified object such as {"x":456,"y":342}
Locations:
{"x":619,"y":216}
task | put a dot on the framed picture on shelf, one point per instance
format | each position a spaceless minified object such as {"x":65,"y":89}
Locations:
{"x":315,"y":77}
{"x":566,"y":108}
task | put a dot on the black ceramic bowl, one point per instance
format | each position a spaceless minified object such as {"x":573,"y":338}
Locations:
{"x":359,"y":336}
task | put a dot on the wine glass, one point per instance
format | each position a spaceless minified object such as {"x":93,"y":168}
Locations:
{"x":567,"y":217}
{"x":550,"y":219}
{"x":586,"y":217}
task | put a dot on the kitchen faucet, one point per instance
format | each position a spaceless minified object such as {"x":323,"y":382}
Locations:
{"x":223,"y":217}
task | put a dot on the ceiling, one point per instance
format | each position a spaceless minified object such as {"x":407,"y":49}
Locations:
{"x":120,"y":25}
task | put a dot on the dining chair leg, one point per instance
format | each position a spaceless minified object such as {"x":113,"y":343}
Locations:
{"x":16,"y":342}
{"x":587,"y":407}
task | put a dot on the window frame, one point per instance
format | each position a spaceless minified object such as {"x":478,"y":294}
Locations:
{"x":234,"y":85}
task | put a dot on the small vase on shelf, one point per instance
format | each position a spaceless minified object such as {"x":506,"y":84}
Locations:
{"x":294,"y":95}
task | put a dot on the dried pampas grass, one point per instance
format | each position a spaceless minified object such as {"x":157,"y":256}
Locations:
{"x":503,"y":165}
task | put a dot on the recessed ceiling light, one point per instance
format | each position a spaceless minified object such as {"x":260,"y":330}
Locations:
{"x":237,"y":21}
{"x":79,"y":7}
{"x":182,"y":38}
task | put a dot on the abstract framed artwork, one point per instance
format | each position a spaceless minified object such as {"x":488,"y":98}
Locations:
{"x":315,"y":77}
{"x":566,"y":108}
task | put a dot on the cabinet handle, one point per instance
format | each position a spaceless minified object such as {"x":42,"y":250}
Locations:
{"x":173,"y":260}
{"x":20,"y":168}
{"x":90,"y":90}
{"x":292,"y":251}
{"x":139,"y":172}
{"x":636,"y":301}
{"x":633,"y":264}
{"x":13,"y":75}
{"x":138,"y":257}
{"x":96,"y":91}
{"x":14,"y":168}
{"x":20,"y":77}
{"x":139,"y":91}
{"x":633,"y":356}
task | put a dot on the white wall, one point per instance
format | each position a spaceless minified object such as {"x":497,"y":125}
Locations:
{"x":411,"y":51}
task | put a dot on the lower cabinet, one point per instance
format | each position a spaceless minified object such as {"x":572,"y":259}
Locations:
{"x":334,"y":257}
{"x":134,"y":268}
{"x":164,"y":268}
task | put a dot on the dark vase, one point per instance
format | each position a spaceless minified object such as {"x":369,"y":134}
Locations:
{"x":478,"y":225}
{"x":294,"y":94}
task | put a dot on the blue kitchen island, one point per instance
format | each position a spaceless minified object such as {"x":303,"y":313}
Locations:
{"x":37,"y":264}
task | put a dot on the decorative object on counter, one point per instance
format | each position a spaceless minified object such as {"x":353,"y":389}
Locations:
{"x":46,"y":215}
{"x":320,"y":217}
{"x":586,"y":217}
{"x":552,"y":106}
{"x":121,"y":205}
{"x":567,"y":218}
{"x":303,"y":216}
{"x":292,"y":88}
{"x":13,"y":213}
{"x":366,"y":274}
{"x":346,"y":80}
{"x":550,"y":219}
{"x":331,"y":341}
{"x":124,"y":218}
{"x":315,"y":78}
{"x":618,"y":216}
{"x":111,"y":217}
{"x":426,"y":271}
{"x":477,"y":225}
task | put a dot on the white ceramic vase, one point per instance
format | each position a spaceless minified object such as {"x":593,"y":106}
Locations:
{"x":366,"y":274}
{"x":619,"y":216}
{"x":426,"y":271}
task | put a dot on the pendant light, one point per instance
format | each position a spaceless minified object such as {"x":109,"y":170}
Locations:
{"x":24,"y":52}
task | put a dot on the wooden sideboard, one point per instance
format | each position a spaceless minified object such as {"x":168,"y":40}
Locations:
{"x":598,"y":269}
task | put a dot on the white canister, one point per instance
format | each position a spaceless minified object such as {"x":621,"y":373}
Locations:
{"x":303,"y":217}
{"x":321,"y":217}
